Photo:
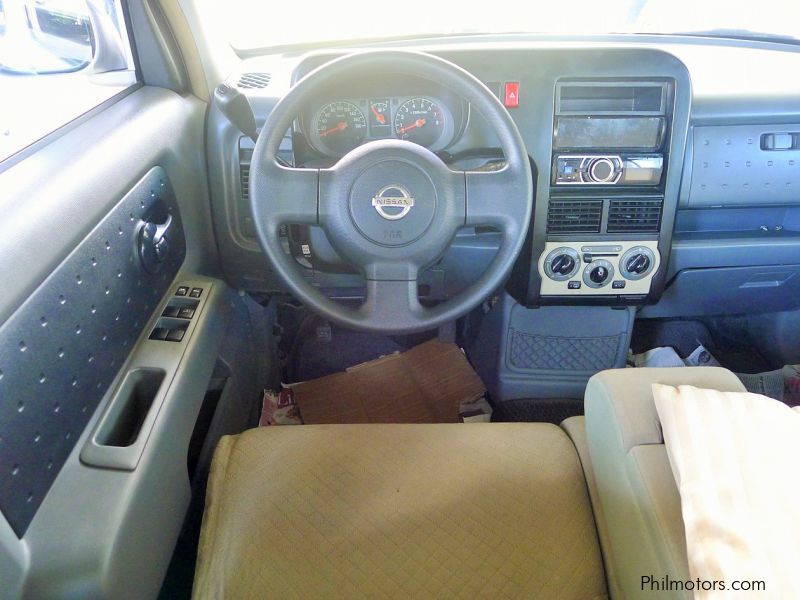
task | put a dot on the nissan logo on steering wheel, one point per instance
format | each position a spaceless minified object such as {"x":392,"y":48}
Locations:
{"x":393,"y":202}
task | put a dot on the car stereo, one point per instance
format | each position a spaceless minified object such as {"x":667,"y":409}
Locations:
{"x":605,"y":169}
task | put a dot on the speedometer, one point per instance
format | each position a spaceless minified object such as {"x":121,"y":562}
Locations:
{"x":419,"y":120}
{"x":340,"y":127}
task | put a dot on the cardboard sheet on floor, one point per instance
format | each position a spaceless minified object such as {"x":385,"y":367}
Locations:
{"x":425,"y":384}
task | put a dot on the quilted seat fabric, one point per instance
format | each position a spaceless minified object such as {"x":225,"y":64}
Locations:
{"x":492,"y":510}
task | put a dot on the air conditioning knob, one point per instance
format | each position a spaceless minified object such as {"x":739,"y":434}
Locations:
{"x":637,"y":263}
{"x":563,"y":264}
{"x":598,"y":273}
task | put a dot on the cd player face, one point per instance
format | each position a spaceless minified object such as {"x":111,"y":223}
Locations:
{"x":603,"y":169}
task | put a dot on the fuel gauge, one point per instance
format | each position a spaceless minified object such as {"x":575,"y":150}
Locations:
{"x":379,"y":118}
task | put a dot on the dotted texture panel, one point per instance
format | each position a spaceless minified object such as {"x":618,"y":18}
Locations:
{"x":60,"y":351}
{"x":529,"y":352}
{"x":729,"y":167}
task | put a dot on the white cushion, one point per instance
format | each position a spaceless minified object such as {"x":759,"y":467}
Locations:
{"x":735,"y":457}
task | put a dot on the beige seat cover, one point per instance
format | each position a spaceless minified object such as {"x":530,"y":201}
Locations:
{"x":636,"y":499}
{"x":398,"y":511}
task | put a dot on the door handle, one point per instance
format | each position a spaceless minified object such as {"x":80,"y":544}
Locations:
{"x":153,"y":246}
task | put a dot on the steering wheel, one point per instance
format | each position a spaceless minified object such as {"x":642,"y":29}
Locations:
{"x":391,"y":207}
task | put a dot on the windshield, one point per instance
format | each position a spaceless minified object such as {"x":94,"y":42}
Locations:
{"x":258,"y":24}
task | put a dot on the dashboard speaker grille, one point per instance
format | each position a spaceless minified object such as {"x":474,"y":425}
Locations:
{"x":634,"y":216}
{"x":250,"y":81}
{"x":574,"y":216}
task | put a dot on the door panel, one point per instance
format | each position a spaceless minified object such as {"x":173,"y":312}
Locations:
{"x":62,"y":348}
{"x":76,"y":309}
{"x":50,"y":201}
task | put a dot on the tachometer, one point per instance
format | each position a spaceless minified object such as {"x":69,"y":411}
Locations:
{"x":340,"y":127}
{"x":419,"y":120}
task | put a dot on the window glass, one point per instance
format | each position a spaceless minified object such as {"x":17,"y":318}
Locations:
{"x":254,"y":24}
{"x":50,"y":69}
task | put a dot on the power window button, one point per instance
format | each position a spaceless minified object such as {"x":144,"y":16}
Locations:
{"x":186,"y":313}
{"x":175,"y":335}
{"x":159,"y":333}
{"x":171,"y":311}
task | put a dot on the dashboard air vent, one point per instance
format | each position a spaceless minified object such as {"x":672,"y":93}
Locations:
{"x":250,"y":81}
{"x":574,"y":216}
{"x":244,"y":179}
{"x":634,"y":216}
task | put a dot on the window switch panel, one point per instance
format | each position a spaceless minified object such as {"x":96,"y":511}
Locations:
{"x":177,"y":319}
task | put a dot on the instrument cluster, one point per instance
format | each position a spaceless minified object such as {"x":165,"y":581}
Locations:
{"x":339,"y":126}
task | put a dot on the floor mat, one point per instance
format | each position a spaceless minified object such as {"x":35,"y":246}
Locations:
{"x":426,"y":384}
{"x":726,"y":339}
{"x":682,"y":335}
{"x":537,"y":410}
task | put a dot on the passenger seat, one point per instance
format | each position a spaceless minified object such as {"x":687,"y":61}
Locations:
{"x":635,"y":499}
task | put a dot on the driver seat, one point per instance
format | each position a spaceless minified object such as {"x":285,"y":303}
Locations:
{"x":398,"y":511}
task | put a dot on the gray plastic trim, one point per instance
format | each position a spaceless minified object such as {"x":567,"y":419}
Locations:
{"x":122,"y":525}
{"x":729,"y":167}
{"x":730,"y":290}
{"x":548,"y":352}
{"x":94,"y":452}
{"x":158,"y":55}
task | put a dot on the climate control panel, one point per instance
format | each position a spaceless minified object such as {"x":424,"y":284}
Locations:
{"x":598,"y":268}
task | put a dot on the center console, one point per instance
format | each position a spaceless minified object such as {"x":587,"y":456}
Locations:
{"x":606,"y":199}
{"x":609,"y":209}
{"x":608,"y":146}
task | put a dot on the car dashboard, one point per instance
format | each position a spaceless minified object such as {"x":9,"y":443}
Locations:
{"x":652,"y":174}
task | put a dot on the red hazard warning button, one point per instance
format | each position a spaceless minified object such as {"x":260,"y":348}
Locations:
{"x":511,"y":94}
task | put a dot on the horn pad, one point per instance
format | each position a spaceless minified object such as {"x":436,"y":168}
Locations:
{"x":392,"y":203}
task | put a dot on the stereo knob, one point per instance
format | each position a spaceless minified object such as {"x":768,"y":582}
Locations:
{"x":563,"y":264}
{"x":637,"y":263}
{"x":602,"y":170}
{"x":598,"y":273}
